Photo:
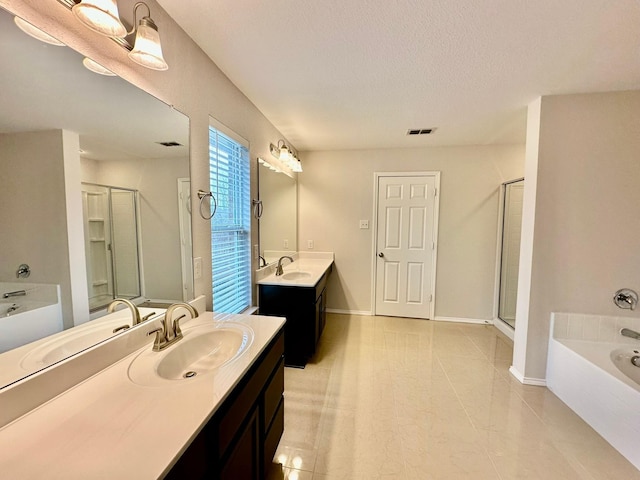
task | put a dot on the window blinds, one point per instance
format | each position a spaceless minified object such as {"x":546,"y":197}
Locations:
{"x":231,"y":225}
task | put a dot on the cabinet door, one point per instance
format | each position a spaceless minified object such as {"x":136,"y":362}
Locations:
{"x":244,"y":463}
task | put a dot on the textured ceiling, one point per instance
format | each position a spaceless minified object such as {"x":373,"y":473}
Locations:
{"x":338,"y":74}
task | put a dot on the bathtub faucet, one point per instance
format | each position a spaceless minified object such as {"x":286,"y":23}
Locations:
{"x":17,"y":293}
{"x":627,"y":332}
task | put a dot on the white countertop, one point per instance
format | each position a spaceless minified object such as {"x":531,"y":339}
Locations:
{"x":108,"y":427}
{"x":316,"y":264}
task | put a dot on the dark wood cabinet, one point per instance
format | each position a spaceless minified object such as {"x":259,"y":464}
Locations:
{"x":241,"y":438}
{"x":304,"y":309}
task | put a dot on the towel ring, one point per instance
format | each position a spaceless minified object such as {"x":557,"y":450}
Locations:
{"x":257,"y":208}
{"x":202,"y":195}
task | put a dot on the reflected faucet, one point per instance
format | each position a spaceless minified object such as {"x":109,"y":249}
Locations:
{"x":170,"y":331}
{"x":261,"y":261}
{"x":279,"y":267}
{"x":134,"y":310}
{"x":17,"y":293}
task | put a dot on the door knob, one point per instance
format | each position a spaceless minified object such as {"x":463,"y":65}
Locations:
{"x":381,"y":255}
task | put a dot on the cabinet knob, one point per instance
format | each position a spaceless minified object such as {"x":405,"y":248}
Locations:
{"x":381,"y":255}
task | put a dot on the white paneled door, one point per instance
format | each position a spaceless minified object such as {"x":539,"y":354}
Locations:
{"x":406,"y":229}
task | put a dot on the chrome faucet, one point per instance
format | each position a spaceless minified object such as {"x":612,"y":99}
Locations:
{"x":170,"y":331}
{"x":134,"y":310}
{"x":17,"y":293}
{"x":627,"y":332}
{"x":279,"y":267}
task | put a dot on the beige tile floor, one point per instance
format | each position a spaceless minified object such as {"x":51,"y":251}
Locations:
{"x":395,"y":398}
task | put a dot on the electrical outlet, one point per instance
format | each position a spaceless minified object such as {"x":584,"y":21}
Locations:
{"x":364,"y":224}
{"x":285,"y":244}
{"x":197,"y":268}
{"x":310,"y":244}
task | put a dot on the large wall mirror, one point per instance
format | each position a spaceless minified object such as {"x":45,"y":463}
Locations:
{"x":91,"y":199}
{"x":278,"y":222}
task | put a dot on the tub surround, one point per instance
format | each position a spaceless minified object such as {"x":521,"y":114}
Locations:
{"x":581,"y":373}
{"x":110,"y":427}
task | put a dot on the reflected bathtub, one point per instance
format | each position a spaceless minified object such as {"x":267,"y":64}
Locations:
{"x":24,"y":319}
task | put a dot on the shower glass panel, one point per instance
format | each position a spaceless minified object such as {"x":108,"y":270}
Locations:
{"x":510,"y":257}
{"x":111,"y":243}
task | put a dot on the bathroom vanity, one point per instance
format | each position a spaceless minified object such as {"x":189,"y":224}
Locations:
{"x":224,"y":422}
{"x":299,"y":295}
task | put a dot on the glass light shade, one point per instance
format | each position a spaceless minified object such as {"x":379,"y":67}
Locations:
{"x":284,"y":154}
{"x":36,"y":33}
{"x":100,"y":16}
{"x":147,"y":50}
{"x":95,"y":67}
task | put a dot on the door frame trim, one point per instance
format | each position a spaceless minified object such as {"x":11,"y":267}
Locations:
{"x":374,"y":240}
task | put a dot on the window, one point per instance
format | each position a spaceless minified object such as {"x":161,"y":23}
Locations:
{"x":231,"y":225}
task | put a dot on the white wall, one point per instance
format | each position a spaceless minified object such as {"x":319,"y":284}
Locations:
{"x":193,"y":84}
{"x":336,"y":191}
{"x":586,"y":235}
{"x":33,"y":199}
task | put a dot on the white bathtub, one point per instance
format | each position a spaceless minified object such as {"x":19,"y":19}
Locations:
{"x":26,"y":318}
{"x":582,"y":373}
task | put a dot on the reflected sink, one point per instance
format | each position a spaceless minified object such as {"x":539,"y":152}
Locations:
{"x":297,"y":275}
{"x":70,"y":342}
{"x":621,"y":358}
{"x":203,"y":349}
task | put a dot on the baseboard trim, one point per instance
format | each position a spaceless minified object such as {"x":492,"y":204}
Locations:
{"x":539,"y":382}
{"x":503,"y":328}
{"x":349,"y":312}
{"x":463,"y":320}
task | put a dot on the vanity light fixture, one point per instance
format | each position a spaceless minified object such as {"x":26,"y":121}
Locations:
{"x":101,"y":16}
{"x":283,"y":153}
{"x":147,"y":49}
{"x":95,"y":67}
{"x":36,"y":33}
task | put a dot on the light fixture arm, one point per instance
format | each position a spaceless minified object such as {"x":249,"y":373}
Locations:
{"x":146,"y":20}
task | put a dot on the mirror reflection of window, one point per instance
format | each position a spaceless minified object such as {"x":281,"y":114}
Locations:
{"x":510,"y":257}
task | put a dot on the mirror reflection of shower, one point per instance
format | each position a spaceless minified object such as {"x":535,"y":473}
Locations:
{"x":512,"y":194}
{"x":111,"y":243}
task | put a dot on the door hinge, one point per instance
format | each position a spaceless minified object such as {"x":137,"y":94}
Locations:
{"x":435,"y":192}
{"x":430,"y":298}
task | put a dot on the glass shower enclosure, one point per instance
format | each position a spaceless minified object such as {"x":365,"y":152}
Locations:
{"x":111,"y":243}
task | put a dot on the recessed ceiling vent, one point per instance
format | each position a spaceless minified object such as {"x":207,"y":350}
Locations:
{"x":420,"y":131}
{"x":169,"y":144}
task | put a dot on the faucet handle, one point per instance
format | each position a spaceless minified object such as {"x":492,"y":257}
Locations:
{"x":176,"y":325}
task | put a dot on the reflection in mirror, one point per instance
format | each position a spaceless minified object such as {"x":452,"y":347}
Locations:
{"x":278,"y":223}
{"x":62,"y":128}
{"x":512,"y":194}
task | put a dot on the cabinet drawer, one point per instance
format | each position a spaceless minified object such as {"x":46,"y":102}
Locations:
{"x":273,"y":395}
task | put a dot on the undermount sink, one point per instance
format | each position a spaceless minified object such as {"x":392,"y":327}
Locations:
{"x":297,"y":275}
{"x":626,"y":360}
{"x":203,"y":349}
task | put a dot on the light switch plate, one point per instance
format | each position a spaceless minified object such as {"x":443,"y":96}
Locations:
{"x":364,"y":224}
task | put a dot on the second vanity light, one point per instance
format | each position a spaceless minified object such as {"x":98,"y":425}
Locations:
{"x":102,"y":17}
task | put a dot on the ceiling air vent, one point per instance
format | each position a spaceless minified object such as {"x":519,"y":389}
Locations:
{"x":420,"y":131}
{"x":169,"y":144}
